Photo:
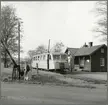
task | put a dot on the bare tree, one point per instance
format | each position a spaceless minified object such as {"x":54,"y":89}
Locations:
{"x":41,"y":49}
{"x":101,"y":24}
{"x":9,"y":31}
{"x":31,"y":53}
{"x":58,"y":47}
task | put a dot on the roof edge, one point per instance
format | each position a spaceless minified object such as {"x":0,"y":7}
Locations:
{"x":98,"y":48}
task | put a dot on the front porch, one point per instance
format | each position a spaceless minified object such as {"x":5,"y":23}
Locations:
{"x":82,"y":63}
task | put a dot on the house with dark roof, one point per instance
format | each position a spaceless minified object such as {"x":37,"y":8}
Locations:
{"x":91,"y":58}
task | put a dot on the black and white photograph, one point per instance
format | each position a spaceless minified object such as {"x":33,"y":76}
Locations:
{"x":53,"y":53}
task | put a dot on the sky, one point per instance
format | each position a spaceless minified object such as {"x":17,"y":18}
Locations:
{"x":69,"y":22}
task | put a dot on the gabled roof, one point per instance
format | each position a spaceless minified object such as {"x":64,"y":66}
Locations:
{"x":88,"y":50}
{"x":72,"y":50}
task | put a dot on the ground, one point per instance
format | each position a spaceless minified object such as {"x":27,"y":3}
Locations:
{"x":26,"y":94}
{"x":74,"y":90}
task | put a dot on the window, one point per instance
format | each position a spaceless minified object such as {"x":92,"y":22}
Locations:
{"x":43,"y":57}
{"x":34,"y":58}
{"x":56,"y":57}
{"x":38,"y":57}
{"x":102,"y":62}
{"x":76,"y":60}
{"x":102,"y":50}
{"x":63,"y":57}
{"x":82,"y":62}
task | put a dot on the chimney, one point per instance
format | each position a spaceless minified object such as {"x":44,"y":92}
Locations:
{"x":85,"y":45}
{"x":90,"y":44}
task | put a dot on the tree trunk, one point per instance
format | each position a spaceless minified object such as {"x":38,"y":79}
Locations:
{"x":5,"y":60}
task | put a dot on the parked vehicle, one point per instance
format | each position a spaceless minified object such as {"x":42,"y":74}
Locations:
{"x":57,"y":61}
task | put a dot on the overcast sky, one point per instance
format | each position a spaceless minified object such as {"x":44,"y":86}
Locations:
{"x":69,"y":22}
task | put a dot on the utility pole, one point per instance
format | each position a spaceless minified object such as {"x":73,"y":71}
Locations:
{"x":0,"y":52}
{"x":19,"y":48}
{"x":107,"y":71}
{"x":107,"y":60}
{"x":0,"y":64}
{"x":48,"y":55}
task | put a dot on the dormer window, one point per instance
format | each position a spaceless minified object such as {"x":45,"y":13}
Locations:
{"x":102,"y":50}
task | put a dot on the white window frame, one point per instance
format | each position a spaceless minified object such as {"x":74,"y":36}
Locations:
{"x":102,"y":62}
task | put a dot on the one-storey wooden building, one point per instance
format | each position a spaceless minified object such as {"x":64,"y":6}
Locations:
{"x":90,"y":58}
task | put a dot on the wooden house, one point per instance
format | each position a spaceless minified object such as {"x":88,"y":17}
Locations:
{"x":91,"y":58}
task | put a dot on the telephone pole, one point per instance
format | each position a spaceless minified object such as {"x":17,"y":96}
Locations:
{"x":49,"y":46}
{"x":0,"y":64}
{"x":19,"y":48}
{"x":0,"y":51}
{"x":107,"y":61}
{"x":48,"y":55}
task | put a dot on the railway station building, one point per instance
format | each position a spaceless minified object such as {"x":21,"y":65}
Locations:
{"x":88,"y":58}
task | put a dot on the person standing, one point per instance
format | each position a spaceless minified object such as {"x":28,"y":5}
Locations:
{"x":27,"y":71}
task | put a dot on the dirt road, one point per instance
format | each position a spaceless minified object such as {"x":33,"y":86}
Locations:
{"x":25,"y":94}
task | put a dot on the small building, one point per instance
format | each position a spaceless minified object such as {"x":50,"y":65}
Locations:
{"x":91,"y":58}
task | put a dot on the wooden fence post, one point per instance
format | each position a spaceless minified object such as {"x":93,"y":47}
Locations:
{"x":37,"y":68}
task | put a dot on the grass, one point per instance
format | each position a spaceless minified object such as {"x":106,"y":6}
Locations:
{"x":95,"y":81}
{"x":45,"y":78}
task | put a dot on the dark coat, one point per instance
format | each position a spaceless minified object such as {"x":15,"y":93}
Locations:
{"x":27,"y":69}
